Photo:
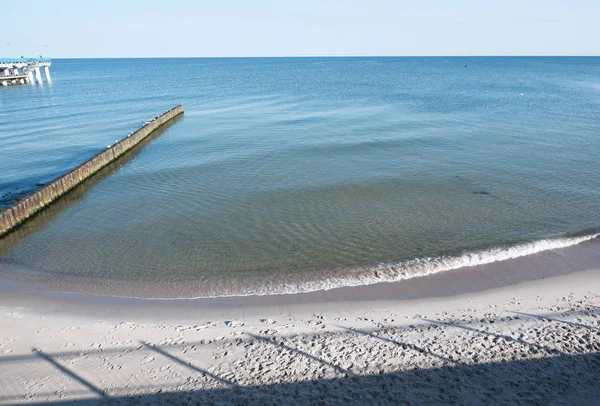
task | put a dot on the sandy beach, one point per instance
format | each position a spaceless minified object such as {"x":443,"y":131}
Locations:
{"x":536,"y":342}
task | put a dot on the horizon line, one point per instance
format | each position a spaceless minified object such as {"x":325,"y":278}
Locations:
{"x":325,"y":56}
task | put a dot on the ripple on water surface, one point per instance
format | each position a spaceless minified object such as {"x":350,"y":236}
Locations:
{"x":286,"y":175}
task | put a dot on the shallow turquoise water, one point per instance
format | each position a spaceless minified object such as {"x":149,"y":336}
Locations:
{"x":298,"y":174}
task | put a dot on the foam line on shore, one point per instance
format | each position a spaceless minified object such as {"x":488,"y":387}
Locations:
{"x":396,"y":272}
{"x":432,"y":265}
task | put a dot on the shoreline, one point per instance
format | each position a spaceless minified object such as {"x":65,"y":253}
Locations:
{"x":31,"y":293}
{"x":526,"y":330}
{"x":534,"y":342}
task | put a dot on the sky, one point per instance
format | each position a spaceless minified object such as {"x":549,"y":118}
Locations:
{"x":232,"y":28}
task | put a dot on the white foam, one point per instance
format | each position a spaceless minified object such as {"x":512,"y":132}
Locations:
{"x":431,"y":265}
{"x":394,"y":272}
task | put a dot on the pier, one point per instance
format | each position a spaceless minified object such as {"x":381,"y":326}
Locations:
{"x":25,"y":208}
{"x":20,"y":71}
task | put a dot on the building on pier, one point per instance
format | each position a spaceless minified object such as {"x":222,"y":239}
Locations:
{"x":19,"y":71}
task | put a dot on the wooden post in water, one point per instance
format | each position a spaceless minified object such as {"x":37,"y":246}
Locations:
{"x":23,"y":209}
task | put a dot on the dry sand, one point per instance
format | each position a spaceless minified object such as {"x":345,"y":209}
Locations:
{"x":537,"y":342}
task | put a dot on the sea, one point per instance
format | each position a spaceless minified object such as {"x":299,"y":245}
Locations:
{"x":290,"y":175}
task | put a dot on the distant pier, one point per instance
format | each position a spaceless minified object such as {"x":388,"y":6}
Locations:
{"x":20,"y":71}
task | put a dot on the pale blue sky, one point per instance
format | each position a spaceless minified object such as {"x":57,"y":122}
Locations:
{"x":151,"y":28}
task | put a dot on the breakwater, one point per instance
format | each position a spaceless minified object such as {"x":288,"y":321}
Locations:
{"x":26,"y":207}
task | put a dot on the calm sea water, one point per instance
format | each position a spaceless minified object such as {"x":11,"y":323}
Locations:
{"x":300,"y":174}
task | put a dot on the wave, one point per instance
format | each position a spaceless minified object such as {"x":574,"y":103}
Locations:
{"x":339,"y":278}
{"x":390,"y":272}
{"x":420,"y":267}
{"x":431,"y":265}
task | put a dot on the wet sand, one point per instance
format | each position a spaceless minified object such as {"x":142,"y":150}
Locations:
{"x":52,"y":294}
{"x":530,"y":342}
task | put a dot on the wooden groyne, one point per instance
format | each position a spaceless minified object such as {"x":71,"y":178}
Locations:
{"x":26,"y":207}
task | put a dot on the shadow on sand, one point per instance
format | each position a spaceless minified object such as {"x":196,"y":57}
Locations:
{"x":498,"y":383}
{"x":550,"y":377}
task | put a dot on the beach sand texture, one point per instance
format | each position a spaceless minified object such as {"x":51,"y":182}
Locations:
{"x":534,"y":343}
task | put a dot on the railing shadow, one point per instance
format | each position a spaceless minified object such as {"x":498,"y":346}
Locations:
{"x":187,"y":364}
{"x":536,"y":381}
{"x":555,"y":376}
{"x":304,"y":354}
{"x":553,"y":318}
{"x":506,"y":338}
{"x":405,"y":346}
{"x":69,"y":373}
